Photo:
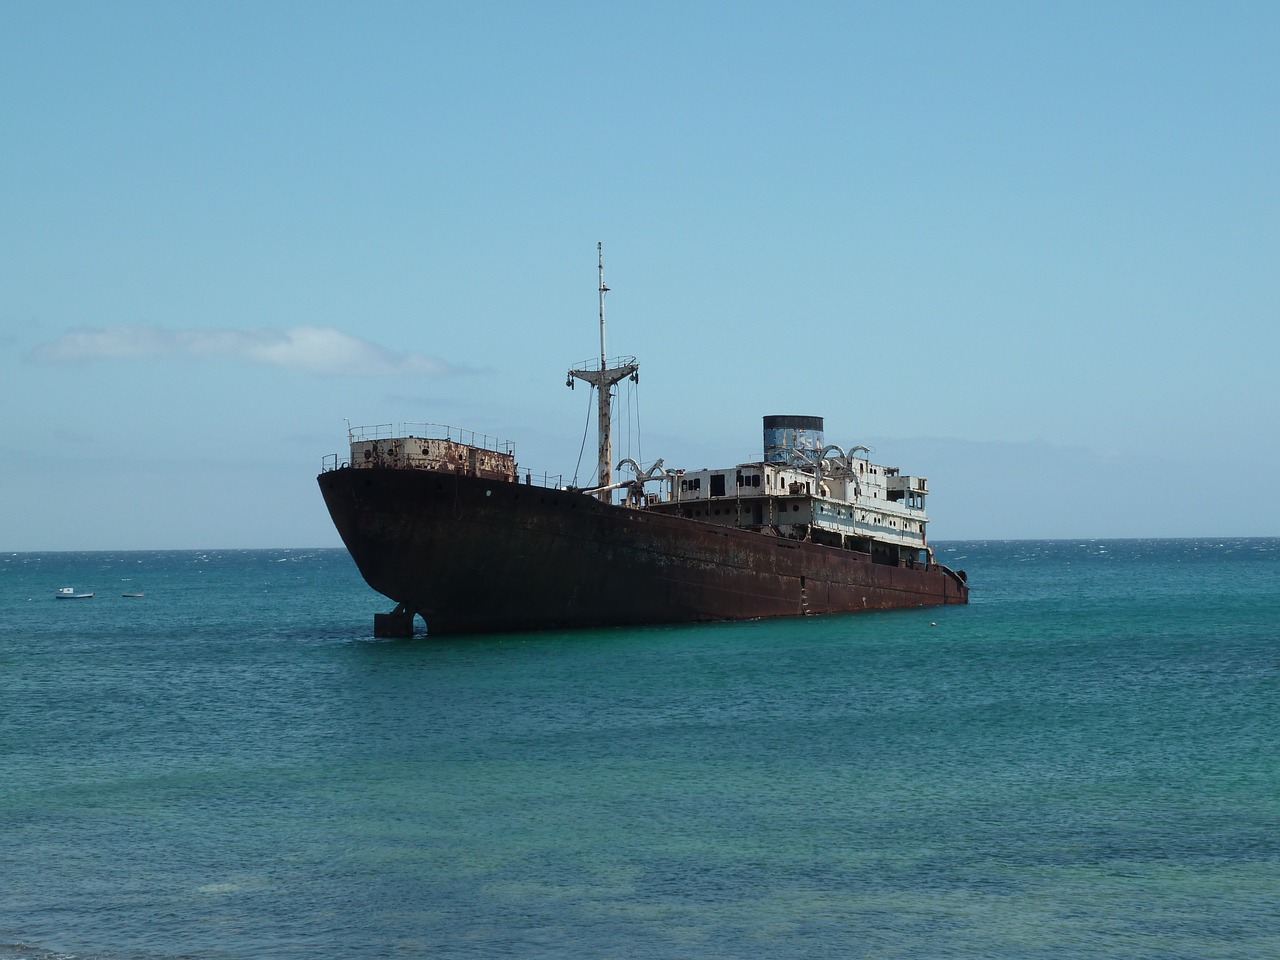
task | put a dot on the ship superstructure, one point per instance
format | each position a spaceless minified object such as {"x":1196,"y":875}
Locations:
{"x":806,"y":490}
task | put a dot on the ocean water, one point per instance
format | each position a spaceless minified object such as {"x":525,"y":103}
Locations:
{"x":1081,"y":763}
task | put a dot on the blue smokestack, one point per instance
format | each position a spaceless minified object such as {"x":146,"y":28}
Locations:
{"x":784,"y":434}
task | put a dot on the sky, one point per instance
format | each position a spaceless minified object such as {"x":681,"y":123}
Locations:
{"x":1027,"y":250}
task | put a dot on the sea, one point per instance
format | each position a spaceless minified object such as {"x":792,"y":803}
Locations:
{"x":1081,"y":763}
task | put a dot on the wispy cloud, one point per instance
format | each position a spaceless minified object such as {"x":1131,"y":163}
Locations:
{"x":321,"y":350}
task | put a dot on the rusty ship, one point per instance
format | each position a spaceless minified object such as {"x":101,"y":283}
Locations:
{"x":441,"y":522}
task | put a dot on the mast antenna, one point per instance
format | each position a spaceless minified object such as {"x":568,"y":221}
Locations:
{"x":603,"y":291}
{"x":603,"y":378}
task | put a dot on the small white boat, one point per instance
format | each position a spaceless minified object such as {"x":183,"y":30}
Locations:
{"x":69,"y":593}
{"x":136,"y":593}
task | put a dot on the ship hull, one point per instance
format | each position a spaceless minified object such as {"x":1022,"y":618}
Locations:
{"x":475,"y":555}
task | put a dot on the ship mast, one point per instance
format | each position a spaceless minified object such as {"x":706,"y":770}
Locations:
{"x":603,"y":378}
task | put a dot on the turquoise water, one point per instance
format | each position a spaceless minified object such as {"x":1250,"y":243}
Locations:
{"x":1081,"y":763}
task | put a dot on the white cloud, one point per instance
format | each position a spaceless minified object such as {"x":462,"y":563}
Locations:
{"x":322,"y":350}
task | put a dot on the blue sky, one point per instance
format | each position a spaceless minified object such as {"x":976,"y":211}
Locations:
{"x":1026,"y":250}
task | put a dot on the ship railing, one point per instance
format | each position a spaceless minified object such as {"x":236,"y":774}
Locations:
{"x":613,"y":363}
{"x":431,"y":431}
{"x":548,"y":481}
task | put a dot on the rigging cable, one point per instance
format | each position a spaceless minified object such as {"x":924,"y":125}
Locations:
{"x":585,"y":426}
{"x":639,"y":432}
{"x":629,"y":450}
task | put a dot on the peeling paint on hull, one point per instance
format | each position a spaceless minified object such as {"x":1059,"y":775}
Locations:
{"x":475,"y":555}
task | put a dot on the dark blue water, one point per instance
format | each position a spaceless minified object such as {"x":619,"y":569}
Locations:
{"x":1081,"y":763}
